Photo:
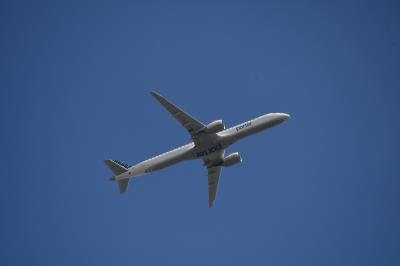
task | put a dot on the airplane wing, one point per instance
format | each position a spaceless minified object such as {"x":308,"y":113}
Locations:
{"x":187,"y":121}
{"x":214,"y":172}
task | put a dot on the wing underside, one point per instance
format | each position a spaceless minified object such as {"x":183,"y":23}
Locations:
{"x":213,"y":180}
{"x":213,"y":163}
{"x":187,"y":121}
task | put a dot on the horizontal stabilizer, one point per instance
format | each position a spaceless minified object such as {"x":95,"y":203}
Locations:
{"x":123,"y":184}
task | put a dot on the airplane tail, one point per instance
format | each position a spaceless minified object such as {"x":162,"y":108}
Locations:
{"x":118,"y":168}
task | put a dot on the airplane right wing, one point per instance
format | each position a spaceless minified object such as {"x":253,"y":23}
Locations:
{"x":187,"y":121}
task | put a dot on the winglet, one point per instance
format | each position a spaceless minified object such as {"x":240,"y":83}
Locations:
{"x":159,"y":97}
{"x":167,"y":104}
{"x":211,"y":204}
{"x":155,"y":94}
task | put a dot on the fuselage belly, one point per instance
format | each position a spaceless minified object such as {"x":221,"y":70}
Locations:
{"x":190,"y":151}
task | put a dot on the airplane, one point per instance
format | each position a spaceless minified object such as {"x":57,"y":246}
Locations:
{"x":209,"y":144}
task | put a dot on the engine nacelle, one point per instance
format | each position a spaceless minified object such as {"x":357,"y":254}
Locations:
{"x":214,"y":127}
{"x":232,"y":159}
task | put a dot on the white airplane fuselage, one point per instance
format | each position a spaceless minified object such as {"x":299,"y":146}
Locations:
{"x":206,"y":146}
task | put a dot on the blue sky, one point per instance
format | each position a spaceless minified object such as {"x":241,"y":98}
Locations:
{"x":320,"y":189}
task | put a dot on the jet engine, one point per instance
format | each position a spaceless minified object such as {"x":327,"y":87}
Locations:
{"x":214,"y":127}
{"x":232,"y":159}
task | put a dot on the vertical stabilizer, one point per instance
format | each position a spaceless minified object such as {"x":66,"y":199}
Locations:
{"x":118,"y":168}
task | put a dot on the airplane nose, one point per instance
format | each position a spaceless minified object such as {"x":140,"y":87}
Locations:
{"x":278,"y":118}
{"x":285,"y":116}
{"x":282,"y":116}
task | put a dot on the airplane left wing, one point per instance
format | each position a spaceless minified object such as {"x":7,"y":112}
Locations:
{"x":213,"y":179}
{"x":213,"y":163}
{"x":187,"y":121}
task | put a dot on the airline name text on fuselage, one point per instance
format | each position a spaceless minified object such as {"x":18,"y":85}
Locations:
{"x":210,"y":150}
{"x":247,"y":124}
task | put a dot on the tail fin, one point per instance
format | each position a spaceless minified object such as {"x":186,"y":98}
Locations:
{"x":118,"y":168}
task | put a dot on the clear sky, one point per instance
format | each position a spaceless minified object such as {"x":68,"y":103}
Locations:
{"x":320,"y":189}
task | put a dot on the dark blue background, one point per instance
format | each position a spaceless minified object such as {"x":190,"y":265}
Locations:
{"x":320,"y":189}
